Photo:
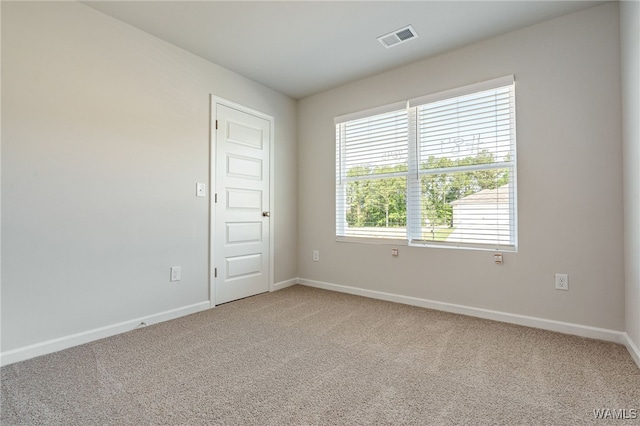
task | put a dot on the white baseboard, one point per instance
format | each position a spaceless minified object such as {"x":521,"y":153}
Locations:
{"x":54,"y":345}
{"x":545,"y":324}
{"x":632,"y":348}
{"x":284,"y":284}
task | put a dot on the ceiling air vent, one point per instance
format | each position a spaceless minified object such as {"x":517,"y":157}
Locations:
{"x":398,"y":36}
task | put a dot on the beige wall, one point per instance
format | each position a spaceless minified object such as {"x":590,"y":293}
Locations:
{"x":569,"y":178}
{"x":630,"y":36}
{"x":105,"y":131}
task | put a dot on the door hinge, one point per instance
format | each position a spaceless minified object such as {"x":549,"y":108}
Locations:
{"x":216,"y":124}
{"x":215,"y":198}
{"x":215,"y":272}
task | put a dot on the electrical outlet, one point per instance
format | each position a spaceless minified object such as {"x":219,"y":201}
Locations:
{"x":562,"y":282}
{"x":394,"y":252}
{"x":175,"y":273}
{"x":316,"y":255}
{"x":497,"y":258}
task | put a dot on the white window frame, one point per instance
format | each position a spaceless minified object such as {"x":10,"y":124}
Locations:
{"x":414,"y":173}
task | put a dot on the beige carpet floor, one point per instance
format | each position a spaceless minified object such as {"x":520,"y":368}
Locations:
{"x":303,"y":356}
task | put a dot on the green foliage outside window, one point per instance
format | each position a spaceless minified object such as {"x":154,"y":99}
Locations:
{"x":382,"y":202}
{"x":377,"y":202}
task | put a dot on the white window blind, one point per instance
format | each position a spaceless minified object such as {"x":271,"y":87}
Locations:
{"x":439,"y":172}
{"x":372,"y":176}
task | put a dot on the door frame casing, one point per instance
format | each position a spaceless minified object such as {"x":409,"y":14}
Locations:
{"x":215,"y":101}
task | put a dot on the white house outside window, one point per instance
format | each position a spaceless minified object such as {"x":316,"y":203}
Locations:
{"x":435,"y":170}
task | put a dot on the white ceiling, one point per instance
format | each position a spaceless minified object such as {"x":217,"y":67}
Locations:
{"x":303,"y":47}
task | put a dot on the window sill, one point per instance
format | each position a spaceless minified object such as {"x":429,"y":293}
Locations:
{"x":442,"y":245}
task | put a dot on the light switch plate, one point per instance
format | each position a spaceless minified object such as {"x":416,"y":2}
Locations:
{"x":201,"y":190}
{"x":175,"y":273}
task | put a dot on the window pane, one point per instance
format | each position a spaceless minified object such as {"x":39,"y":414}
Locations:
{"x":377,"y":208}
{"x":467,"y":207}
{"x":373,"y":144}
{"x":371,"y":176}
{"x":472,"y":129}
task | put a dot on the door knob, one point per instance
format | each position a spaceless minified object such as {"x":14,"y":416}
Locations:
{"x":266,"y":214}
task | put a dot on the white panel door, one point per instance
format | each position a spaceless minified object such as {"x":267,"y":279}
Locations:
{"x":241,"y":213}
